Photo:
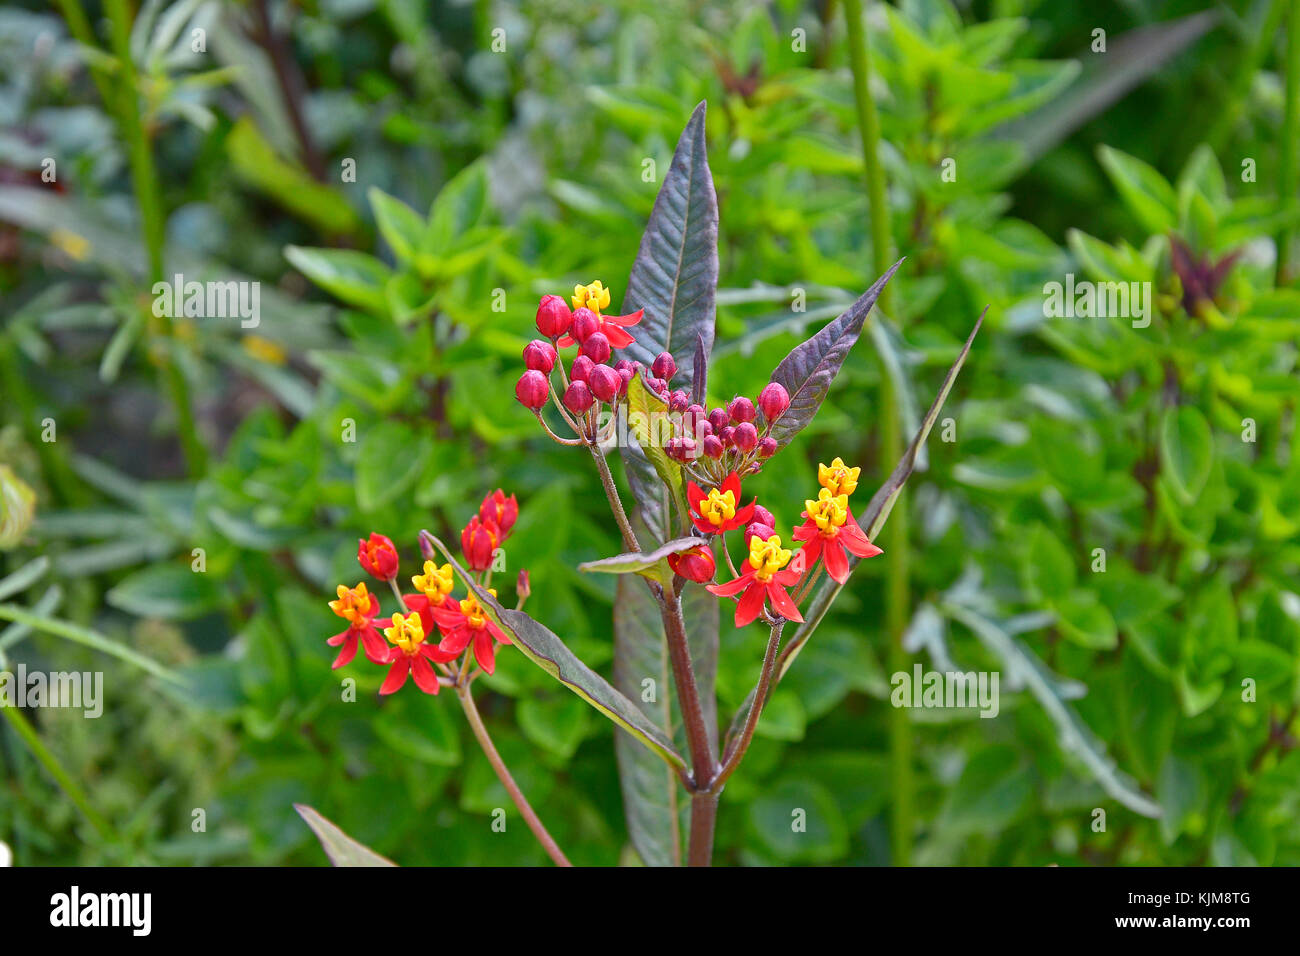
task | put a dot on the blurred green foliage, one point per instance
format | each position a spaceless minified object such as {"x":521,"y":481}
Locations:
{"x":395,"y":302}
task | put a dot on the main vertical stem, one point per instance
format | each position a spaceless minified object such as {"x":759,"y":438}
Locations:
{"x":897,"y":598}
{"x":1288,"y":177}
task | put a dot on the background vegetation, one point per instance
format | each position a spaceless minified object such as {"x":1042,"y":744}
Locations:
{"x":1171,"y":447}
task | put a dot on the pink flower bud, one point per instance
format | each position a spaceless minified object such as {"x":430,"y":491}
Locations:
{"x":728,"y":436}
{"x":581,"y":368}
{"x":539,"y":355}
{"x":523,"y":587}
{"x":596,"y":347}
{"x":532,"y":389}
{"x":678,"y":401}
{"x":766,"y":446}
{"x":773,"y":401}
{"x":585,"y":324}
{"x":664,"y":367}
{"x":553,"y":316}
{"x":577,"y":397}
{"x":746,"y":435}
{"x":625,"y":376}
{"x":719,"y":419}
{"x":691,"y":418}
{"x":763,"y":516}
{"x":760,"y":531}
{"x":741,"y":409}
{"x":713,"y":446}
{"x":697,"y":564}
{"x":604,"y":382}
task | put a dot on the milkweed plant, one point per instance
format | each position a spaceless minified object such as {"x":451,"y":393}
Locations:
{"x":633,"y":386}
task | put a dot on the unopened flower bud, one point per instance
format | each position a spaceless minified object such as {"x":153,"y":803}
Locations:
{"x":663,"y":366}
{"x":763,"y":516}
{"x":596,"y":347}
{"x":539,"y":355}
{"x":696,"y":564}
{"x":625,"y":364}
{"x":746,"y":436}
{"x":625,"y":376}
{"x":581,"y":368}
{"x":577,"y":397}
{"x":713,"y":446}
{"x":766,"y":446}
{"x":741,"y":409}
{"x":719,"y":419}
{"x":773,"y":401}
{"x":532,"y":389}
{"x":678,"y":401}
{"x":585,"y":324}
{"x":553,"y":316}
{"x":604,"y":382}
{"x":693,"y":415}
{"x":522,"y":586}
{"x":760,"y":531}
{"x":728,"y":436}
{"x":378,"y":556}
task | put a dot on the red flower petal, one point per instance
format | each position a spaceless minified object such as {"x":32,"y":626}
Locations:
{"x":499,"y":634}
{"x":805,"y":532}
{"x":812,"y":550}
{"x":731,"y":587}
{"x":837,"y":565}
{"x":618,"y":339}
{"x":782,"y":602}
{"x":857,"y":542}
{"x":732,"y":483}
{"x":454,"y":640}
{"x":484,"y":651}
{"x":377,"y":648}
{"x":349,"y":649}
{"x":425,"y":678}
{"x":396,"y":675}
{"x":742,"y":516}
{"x":694,"y":495}
{"x":751,"y":603}
{"x":632,"y":318}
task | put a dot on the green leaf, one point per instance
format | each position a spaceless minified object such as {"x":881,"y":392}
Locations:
{"x":648,"y":422}
{"x":675,"y":274}
{"x":557,"y":722}
{"x":1049,"y":571}
{"x":1085,"y":621}
{"x":1186,"y":451}
{"x":87,"y":638}
{"x":552,"y":655}
{"x":1146,"y":193}
{"x":169,"y":591}
{"x":807,"y":372}
{"x":17,"y":508}
{"x":256,"y":163}
{"x":338,"y":846}
{"x":641,"y":562}
{"x":354,"y":277}
{"x":390,"y":458}
{"x":20,"y":580}
{"x":400,"y":225}
{"x":822,"y":835}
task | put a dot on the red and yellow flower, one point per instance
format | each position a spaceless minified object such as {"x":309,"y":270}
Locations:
{"x":720,"y":509}
{"x":378,"y":556}
{"x":358,"y":608}
{"x":763,"y":579}
{"x":830,"y":529}
{"x":479,"y":542}
{"x":500,"y":510}
{"x":468,"y":623}
{"x":410,"y":654}
{"x":595,"y":297}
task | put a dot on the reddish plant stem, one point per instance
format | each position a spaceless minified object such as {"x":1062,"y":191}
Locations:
{"x":731,"y":760}
{"x":548,"y":843}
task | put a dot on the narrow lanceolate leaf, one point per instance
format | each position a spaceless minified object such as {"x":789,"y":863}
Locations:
{"x":653,"y":801}
{"x":700,"y":371}
{"x":675,"y":275}
{"x":1075,"y":737}
{"x":809,"y":369}
{"x":552,"y":655}
{"x":872,"y":520}
{"x":338,"y":846}
{"x":642,"y":562}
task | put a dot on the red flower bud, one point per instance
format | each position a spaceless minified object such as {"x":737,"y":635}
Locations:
{"x":378,"y":556}
{"x":697,"y":564}
{"x":746,"y":435}
{"x":678,"y":401}
{"x":604,"y":382}
{"x":773,"y":401}
{"x":719,"y":419}
{"x":713,"y":446}
{"x":766,"y":446}
{"x":553,"y":316}
{"x":539,"y":355}
{"x":577,"y":397}
{"x":692,"y":418}
{"x":532,"y":389}
{"x":728,"y":436}
{"x":478,"y":542}
{"x":581,"y":368}
{"x":760,"y":531}
{"x":596,"y":347}
{"x":663,"y":366}
{"x":522,"y":586}
{"x":763,"y":516}
{"x":585,"y":324}
{"x":741,"y":409}
{"x":625,"y":364}
{"x":658,"y":386}
{"x":500,"y":511}
{"x":625,"y":376}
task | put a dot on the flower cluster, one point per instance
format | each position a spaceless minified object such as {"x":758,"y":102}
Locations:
{"x":721,"y":441}
{"x":829,"y":534}
{"x":589,"y":379}
{"x":432,"y":629}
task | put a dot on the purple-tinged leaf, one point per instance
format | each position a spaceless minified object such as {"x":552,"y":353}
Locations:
{"x":809,"y":369}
